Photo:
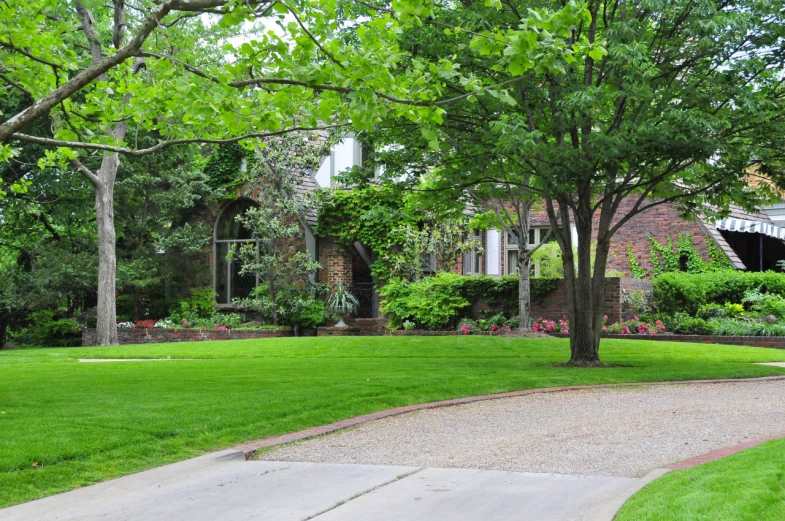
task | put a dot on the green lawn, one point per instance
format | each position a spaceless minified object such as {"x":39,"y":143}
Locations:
{"x":65,"y":424}
{"x":748,"y":486}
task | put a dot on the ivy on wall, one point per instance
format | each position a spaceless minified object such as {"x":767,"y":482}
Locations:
{"x":638,"y":271}
{"x":224,"y":165}
{"x":665,"y":258}
{"x":395,"y":225}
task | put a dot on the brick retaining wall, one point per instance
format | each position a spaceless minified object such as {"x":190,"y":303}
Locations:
{"x":147,"y":335}
{"x":776,"y":342}
{"x":554,"y":305}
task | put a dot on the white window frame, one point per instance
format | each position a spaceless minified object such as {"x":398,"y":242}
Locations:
{"x":472,"y":261}
{"x":535,"y":233}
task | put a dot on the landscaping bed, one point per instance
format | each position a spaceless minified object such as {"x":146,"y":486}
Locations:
{"x":153,"y":335}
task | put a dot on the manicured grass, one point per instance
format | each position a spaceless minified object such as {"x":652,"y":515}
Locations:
{"x":65,"y":424}
{"x":747,"y":486}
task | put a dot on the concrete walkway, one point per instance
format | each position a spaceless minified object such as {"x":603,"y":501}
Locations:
{"x":223,"y":486}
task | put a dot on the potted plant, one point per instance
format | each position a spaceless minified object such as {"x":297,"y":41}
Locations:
{"x":340,"y":302}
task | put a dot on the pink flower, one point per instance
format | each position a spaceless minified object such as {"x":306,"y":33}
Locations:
{"x":494,"y":328}
{"x":185,"y":322}
{"x":535,"y":326}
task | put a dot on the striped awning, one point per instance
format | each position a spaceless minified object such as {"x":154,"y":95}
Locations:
{"x":740,"y":225}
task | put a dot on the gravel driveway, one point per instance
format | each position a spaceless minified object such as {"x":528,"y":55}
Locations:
{"x":623,"y":431}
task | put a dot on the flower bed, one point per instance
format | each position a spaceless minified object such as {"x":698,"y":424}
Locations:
{"x":151,"y":335}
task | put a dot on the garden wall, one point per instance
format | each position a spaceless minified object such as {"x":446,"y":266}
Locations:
{"x":776,"y":342}
{"x":554,"y":305}
{"x":147,"y":335}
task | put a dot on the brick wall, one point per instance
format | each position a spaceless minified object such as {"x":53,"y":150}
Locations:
{"x":336,"y":263}
{"x":141,"y":335}
{"x":660,"y":222}
{"x":775,"y":342}
{"x":554,"y":305}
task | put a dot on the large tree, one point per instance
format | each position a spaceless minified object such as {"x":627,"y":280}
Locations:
{"x":640,"y":104}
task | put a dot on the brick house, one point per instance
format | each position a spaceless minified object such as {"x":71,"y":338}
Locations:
{"x":751,"y":241}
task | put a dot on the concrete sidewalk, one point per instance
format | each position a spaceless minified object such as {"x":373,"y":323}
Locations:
{"x":224,"y":486}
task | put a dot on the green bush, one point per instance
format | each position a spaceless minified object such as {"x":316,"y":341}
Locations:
{"x":431,"y":302}
{"x":47,"y":331}
{"x":437,"y":302}
{"x":765,"y":303}
{"x":712,"y":310}
{"x":685,"y":292}
{"x":312,"y":315}
{"x":684,"y":324}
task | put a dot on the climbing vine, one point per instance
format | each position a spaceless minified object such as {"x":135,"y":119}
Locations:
{"x":395,"y":226}
{"x":224,"y":165}
{"x":665,"y":258}
{"x":638,"y":271}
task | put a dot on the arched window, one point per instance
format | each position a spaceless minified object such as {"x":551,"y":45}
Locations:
{"x":229,"y":284}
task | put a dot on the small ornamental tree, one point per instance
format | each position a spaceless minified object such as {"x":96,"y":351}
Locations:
{"x":276,"y":257}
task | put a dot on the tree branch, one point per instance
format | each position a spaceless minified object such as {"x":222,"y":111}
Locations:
{"x":163,"y":144}
{"x":79,"y":167}
{"x":86,"y":76}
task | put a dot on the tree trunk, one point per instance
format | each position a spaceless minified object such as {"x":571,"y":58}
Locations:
{"x":584,"y":343}
{"x":3,"y":329}
{"x":524,"y":289}
{"x":273,"y":294}
{"x":106,"y":320}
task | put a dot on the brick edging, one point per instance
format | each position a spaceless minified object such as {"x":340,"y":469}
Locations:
{"x":251,"y":447}
{"x":721,"y":453}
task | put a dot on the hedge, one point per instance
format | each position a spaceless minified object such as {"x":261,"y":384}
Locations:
{"x":674,"y":292}
{"x":438,"y":302}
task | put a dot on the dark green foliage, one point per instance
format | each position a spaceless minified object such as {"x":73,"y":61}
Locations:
{"x":437,"y":302}
{"x":399,"y":226}
{"x":47,"y":330}
{"x":687,"y":292}
{"x":684,"y":324}
{"x":224,"y":164}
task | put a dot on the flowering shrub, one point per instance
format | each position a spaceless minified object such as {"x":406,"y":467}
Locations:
{"x":468,"y":327}
{"x":164,"y":324}
{"x":550,"y":326}
{"x":221,"y":327}
{"x":494,"y":324}
{"x":125,"y":325}
{"x":634,"y":327}
{"x":145,"y":323}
